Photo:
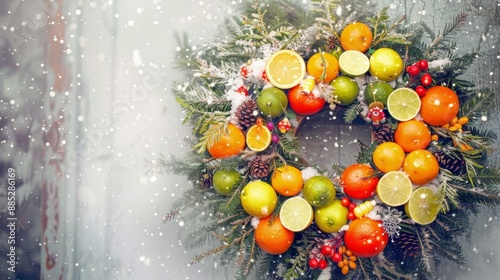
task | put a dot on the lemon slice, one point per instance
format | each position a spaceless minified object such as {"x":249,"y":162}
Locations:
{"x":354,"y":63}
{"x":285,"y":69}
{"x":296,"y":214}
{"x":394,"y":188}
{"x":403,"y":104}
{"x":423,"y":206}
{"x":258,"y":138}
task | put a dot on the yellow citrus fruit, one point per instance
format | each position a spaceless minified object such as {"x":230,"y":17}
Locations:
{"x":332,"y":217}
{"x":287,"y":180}
{"x":394,"y":188}
{"x":439,"y":105}
{"x":285,"y":69}
{"x":319,"y":191}
{"x":386,"y":64}
{"x":403,"y":104}
{"x":231,"y":143}
{"x":272,"y":237}
{"x":354,"y":63}
{"x":258,"y":138}
{"x":259,"y":199}
{"x":423,"y":206}
{"x":324,"y":67}
{"x":388,"y":156}
{"x":356,"y":36}
{"x":421,"y":166}
{"x":296,"y":214}
{"x":412,"y":135}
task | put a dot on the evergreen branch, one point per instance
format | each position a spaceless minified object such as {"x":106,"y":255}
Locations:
{"x":488,"y":195}
{"x":477,"y":104}
{"x":352,"y":112}
{"x":489,"y":176}
{"x":428,"y":259}
{"x":449,"y":29}
{"x":211,"y":136}
{"x":381,"y":33}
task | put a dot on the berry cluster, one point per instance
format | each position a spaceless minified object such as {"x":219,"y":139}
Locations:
{"x":346,"y":202}
{"x":414,"y":71}
{"x":344,"y":258}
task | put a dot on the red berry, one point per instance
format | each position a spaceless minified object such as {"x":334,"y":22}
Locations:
{"x":326,"y":250}
{"x":421,"y":91}
{"x":423,"y":65}
{"x":351,"y":216}
{"x":336,"y":257}
{"x":322,"y":264}
{"x":412,"y":70}
{"x":351,"y":206}
{"x":345,"y":201}
{"x":313,"y":263}
{"x":426,"y":79}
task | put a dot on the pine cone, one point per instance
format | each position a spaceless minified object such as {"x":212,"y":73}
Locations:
{"x":384,"y":134}
{"x":453,"y":164}
{"x":205,"y":180}
{"x":246,"y":114}
{"x":408,"y":244}
{"x":259,"y":168}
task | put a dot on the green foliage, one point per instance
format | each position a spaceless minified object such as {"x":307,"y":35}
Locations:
{"x":384,"y":33}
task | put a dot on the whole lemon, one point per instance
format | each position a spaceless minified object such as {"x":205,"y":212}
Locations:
{"x":386,"y":64}
{"x":259,"y":199}
{"x":331,"y":217}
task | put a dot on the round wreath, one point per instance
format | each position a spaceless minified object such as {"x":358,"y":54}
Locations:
{"x":245,"y":113}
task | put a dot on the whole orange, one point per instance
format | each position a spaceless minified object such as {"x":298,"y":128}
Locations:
{"x":272,"y":237}
{"x":388,"y":156}
{"x":230,"y":143}
{"x":287,"y":180}
{"x":412,"y":135}
{"x":421,"y":166}
{"x":365,"y":237}
{"x":358,"y":181}
{"x":324,"y":67}
{"x":304,"y":103}
{"x":439,"y":105}
{"x":356,"y":36}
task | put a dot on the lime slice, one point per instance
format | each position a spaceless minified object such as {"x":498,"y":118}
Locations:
{"x":403,"y":104}
{"x":285,"y":69}
{"x":354,"y":63}
{"x":296,"y":214}
{"x":394,"y":188}
{"x":423,"y":206}
{"x":258,"y":138}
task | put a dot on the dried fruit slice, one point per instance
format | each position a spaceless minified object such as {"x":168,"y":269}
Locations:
{"x":285,"y":69}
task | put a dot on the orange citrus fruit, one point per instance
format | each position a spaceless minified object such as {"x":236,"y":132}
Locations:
{"x":421,"y":166}
{"x":272,"y":237}
{"x":230,"y":143}
{"x":358,"y":181}
{"x":304,"y":103}
{"x":388,"y":156}
{"x":439,"y":105}
{"x":324,"y":67}
{"x":258,"y":199}
{"x":287,"y":180}
{"x":258,"y":137}
{"x":412,"y":135}
{"x":356,"y":36}
{"x":365,"y":237}
{"x":285,"y":69}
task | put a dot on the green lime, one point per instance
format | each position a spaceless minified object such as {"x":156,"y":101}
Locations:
{"x":296,"y":214}
{"x":354,"y":63}
{"x":403,"y":104}
{"x":394,"y":188}
{"x":319,"y":191}
{"x":386,"y":64}
{"x":345,"y":90}
{"x":272,"y":102}
{"x":331,"y":217}
{"x":377,"y":91}
{"x":423,"y":206}
{"x":259,"y":199}
{"x":337,"y":52}
{"x":225,"y":181}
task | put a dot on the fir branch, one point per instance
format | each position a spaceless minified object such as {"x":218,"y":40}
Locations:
{"x":352,"y":112}
{"x":381,"y":33}
{"x":488,"y":195}
{"x":428,"y":259}
{"x":210,"y":135}
{"x":449,"y":29}
{"x":477,"y":104}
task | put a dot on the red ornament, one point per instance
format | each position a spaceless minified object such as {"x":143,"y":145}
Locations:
{"x":376,"y":116}
{"x":242,"y":90}
{"x":426,"y":79}
{"x":284,"y":125}
{"x":244,"y":71}
{"x":421,"y":91}
{"x":412,"y":70}
{"x":264,"y":76}
{"x":423,"y":65}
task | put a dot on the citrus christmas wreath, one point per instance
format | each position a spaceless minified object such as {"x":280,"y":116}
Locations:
{"x":392,"y":214}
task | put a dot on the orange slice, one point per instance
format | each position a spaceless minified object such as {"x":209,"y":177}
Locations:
{"x":285,"y":69}
{"x":258,"y":138}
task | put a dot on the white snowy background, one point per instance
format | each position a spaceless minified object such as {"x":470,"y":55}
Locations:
{"x":123,"y":54}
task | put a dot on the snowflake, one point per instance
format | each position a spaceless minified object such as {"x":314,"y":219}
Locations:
{"x":391,"y":218}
